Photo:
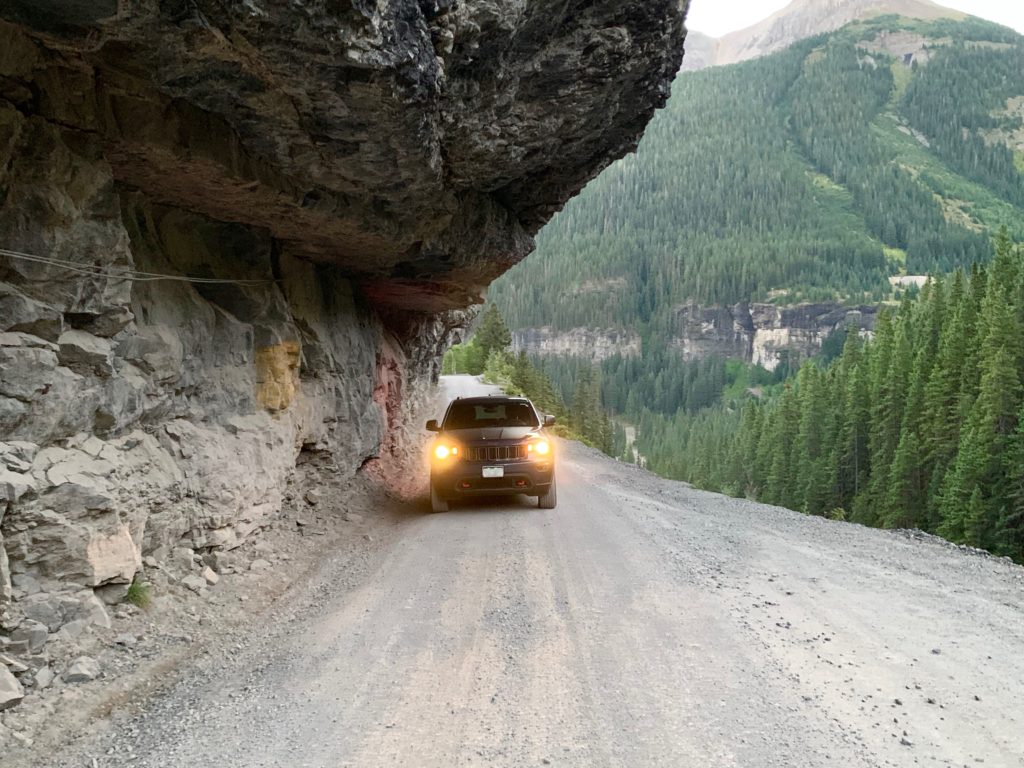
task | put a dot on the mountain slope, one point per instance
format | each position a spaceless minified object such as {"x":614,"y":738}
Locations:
{"x":815,"y":173}
{"x":799,"y":20}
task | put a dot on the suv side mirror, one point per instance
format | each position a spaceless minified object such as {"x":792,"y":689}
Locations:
{"x":549,"y":421}
{"x":432,"y":426}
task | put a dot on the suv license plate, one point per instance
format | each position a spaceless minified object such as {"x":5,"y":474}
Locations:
{"x":494,"y":471}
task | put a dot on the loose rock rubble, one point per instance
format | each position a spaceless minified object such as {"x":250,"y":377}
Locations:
{"x":11,"y":692}
{"x":82,"y":670}
{"x":80,"y":648}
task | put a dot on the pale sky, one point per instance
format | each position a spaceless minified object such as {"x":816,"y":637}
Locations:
{"x":716,"y":17}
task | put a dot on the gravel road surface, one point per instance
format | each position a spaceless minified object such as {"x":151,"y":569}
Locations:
{"x":642,"y":623}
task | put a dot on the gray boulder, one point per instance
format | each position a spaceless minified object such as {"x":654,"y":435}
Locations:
{"x":82,"y":609}
{"x":112,"y":594}
{"x":12,"y":664}
{"x":87,"y":606}
{"x":82,"y":670}
{"x":73,"y":630}
{"x":29,"y":369}
{"x":195,"y":583}
{"x":84,"y":353}
{"x":33,"y":634}
{"x":220,"y":561}
{"x":44,"y":609}
{"x":156,"y":349}
{"x":43,"y":678}
{"x":11,"y":413}
{"x":17,"y":456}
{"x":11,"y":692}
{"x":18,"y":312}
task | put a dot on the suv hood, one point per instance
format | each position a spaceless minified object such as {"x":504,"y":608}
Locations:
{"x":487,"y":434}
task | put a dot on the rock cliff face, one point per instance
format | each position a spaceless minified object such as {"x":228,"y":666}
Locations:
{"x":262,"y":222}
{"x":586,"y":343}
{"x":764,"y":333}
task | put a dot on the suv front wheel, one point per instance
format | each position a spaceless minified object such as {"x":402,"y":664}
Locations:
{"x":549,"y":500}
{"x":437,"y":502}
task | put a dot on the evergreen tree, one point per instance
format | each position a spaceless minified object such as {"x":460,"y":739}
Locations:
{"x":493,"y":333}
{"x":853,"y":461}
{"x":1011,"y":520}
{"x":781,"y":481}
{"x":811,"y":453}
{"x":943,"y":408}
{"x":980,"y":470}
{"x":906,"y":500}
{"x":961,"y":485}
{"x":749,"y":478}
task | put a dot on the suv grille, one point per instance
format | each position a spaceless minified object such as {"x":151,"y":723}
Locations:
{"x":495,"y":452}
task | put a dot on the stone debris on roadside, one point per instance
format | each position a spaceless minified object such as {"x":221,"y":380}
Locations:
{"x":82,"y":670}
{"x":96,"y":628}
{"x":11,"y":692}
{"x":32,"y":634}
{"x":196,"y":583}
{"x":44,"y":677}
{"x":12,"y":664}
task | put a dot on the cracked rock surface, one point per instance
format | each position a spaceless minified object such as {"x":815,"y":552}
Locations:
{"x":418,"y":142}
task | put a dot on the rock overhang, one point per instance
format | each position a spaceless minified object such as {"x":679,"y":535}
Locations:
{"x":416,"y":145}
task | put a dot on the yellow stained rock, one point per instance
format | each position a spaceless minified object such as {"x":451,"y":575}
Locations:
{"x":277,"y":375}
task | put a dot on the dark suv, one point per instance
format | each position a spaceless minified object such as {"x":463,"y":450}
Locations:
{"x":489,"y":446}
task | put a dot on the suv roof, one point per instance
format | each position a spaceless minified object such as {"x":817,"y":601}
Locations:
{"x":491,"y":399}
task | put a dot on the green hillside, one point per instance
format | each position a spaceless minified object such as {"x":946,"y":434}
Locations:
{"x":920,"y":427}
{"x":812,"y":174}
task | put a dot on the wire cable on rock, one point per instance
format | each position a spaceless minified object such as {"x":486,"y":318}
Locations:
{"x":133,"y":275}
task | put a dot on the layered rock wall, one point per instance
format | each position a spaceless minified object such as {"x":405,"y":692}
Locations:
{"x":232,"y":233}
{"x":152,"y":414}
{"x":764,"y":334}
{"x":586,"y":343}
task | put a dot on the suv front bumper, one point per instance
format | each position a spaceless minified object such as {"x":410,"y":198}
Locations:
{"x":459,"y":479}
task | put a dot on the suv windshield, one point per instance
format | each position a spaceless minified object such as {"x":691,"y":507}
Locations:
{"x":500,"y":414}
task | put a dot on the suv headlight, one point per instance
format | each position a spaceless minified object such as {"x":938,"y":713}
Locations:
{"x":539,"y":449}
{"x":444,"y":451}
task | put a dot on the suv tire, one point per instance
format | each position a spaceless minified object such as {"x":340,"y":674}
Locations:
{"x":437,"y":502}
{"x":549,"y":500}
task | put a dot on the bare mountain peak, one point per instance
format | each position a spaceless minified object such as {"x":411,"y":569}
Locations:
{"x":799,"y":20}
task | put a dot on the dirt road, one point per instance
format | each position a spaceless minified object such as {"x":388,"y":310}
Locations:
{"x":641,"y":623}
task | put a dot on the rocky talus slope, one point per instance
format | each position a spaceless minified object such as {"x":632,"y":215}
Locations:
{"x":343,"y":179}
